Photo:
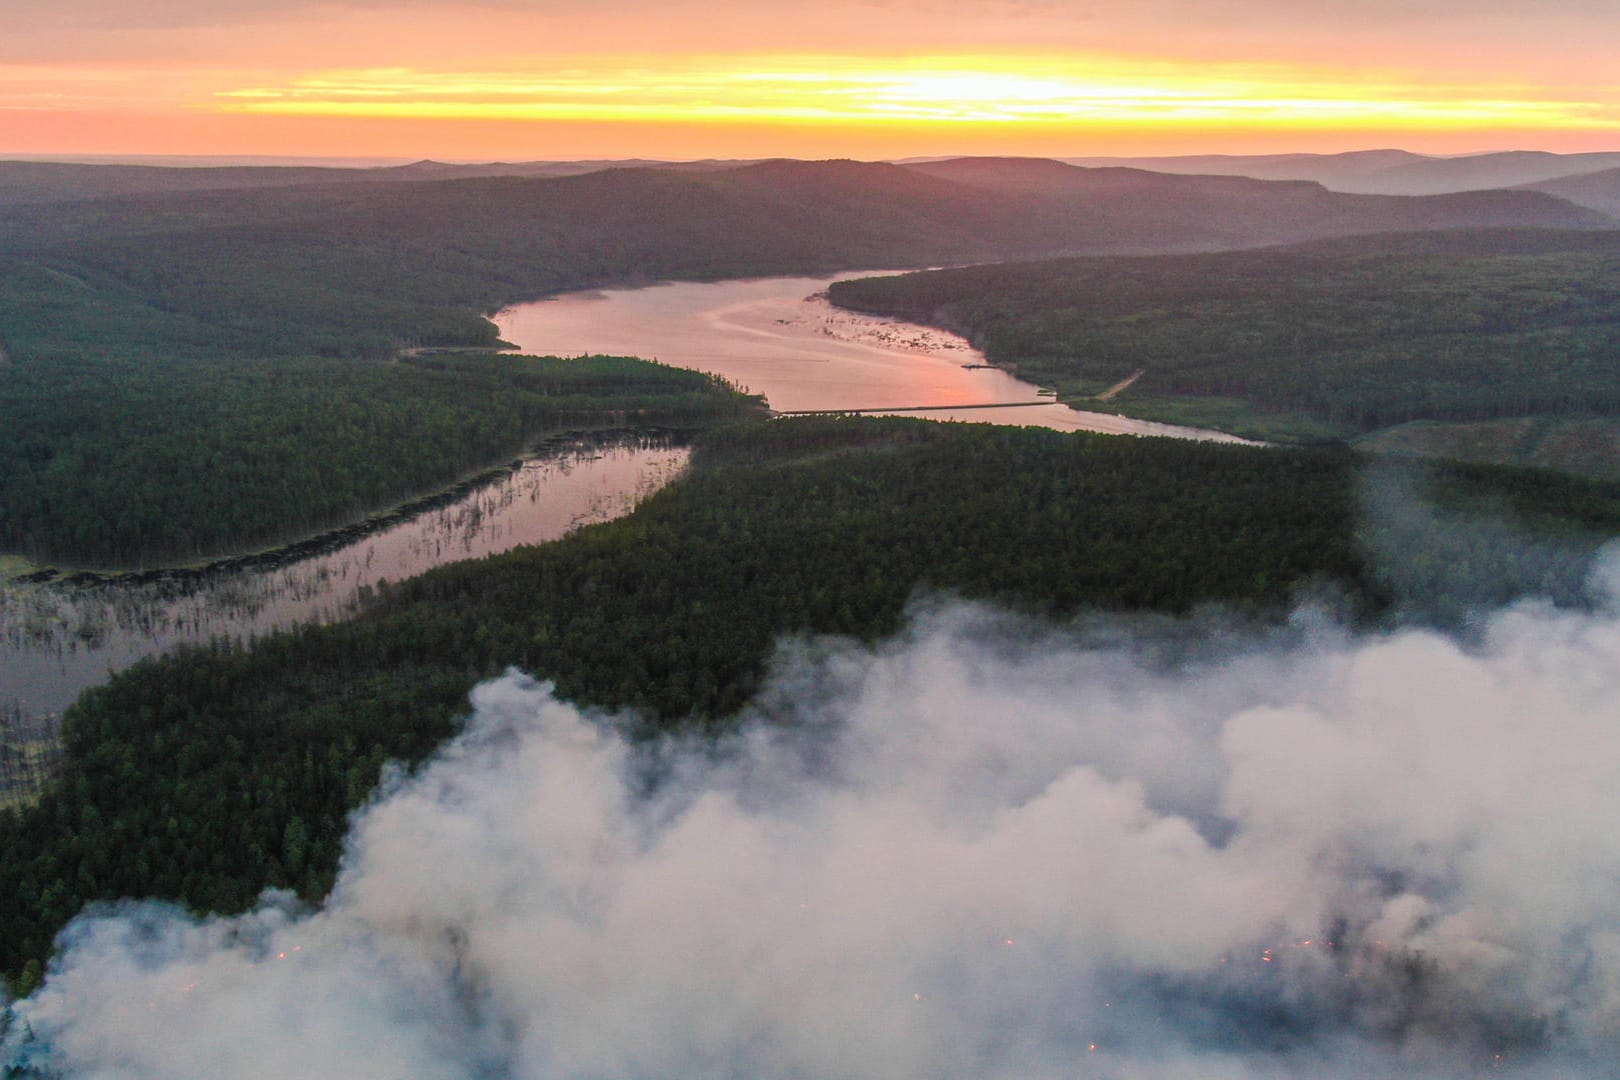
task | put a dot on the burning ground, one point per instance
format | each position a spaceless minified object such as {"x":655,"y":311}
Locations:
{"x":988,"y":848}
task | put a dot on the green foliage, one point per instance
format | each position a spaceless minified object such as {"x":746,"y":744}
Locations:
{"x":1547,"y":503}
{"x":125,"y":462}
{"x":216,"y":772}
{"x":1449,"y":541}
{"x":1587,"y":446}
{"x":1345,"y":333}
{"x":171,"y":386}
{"x":183,"y":278}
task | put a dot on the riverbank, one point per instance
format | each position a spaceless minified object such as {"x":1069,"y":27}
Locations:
{"x":1227,"y":419}
{"x":19,"y":569}
{"x":57,"y":638}
{"x":189,"y":462}
{"x":782,"y":338}
{"x":1232,"y":415}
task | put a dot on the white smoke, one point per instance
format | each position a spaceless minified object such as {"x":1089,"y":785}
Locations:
{"x":985,"y":849}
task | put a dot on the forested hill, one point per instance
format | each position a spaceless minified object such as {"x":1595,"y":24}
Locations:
{"x":37,"y":182}
{"x":169,"y":285}
{"x":1384,"y":172}
{"x":1243,"y":212}
{"x":216,"y":772}
{"x":1338,"y":336}
{"x":212,"y":774}
{"x":1598,"y":190}
{"x":360,"y":267}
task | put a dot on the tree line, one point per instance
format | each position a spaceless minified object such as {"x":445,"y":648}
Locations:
{"x":1356,"y":336}
{"x":129,"y":462}
{"x":211,"y":774}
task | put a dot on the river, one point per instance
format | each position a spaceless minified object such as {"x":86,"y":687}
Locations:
{"x":781,"y":338}
{"x":774,"y":336}
{"x":58,"y":639}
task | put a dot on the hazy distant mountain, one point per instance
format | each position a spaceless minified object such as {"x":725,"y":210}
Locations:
{"x":440,"y":170}
{"x":1366,"y":172}
{"x":1237,"y":211}
{"x":774,"y":215}
{"x":32,"y":182}
{"x":24,"y":182}
{"x":1325,"y":169}
{"x":1478,"y":172}
{"x":1383,"y":172}
{"x":1598,"y":190}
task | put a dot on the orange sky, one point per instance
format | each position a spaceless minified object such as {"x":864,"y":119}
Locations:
{"x":525,"y":79}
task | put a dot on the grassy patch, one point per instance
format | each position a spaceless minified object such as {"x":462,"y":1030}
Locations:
{"x":15,"y":566}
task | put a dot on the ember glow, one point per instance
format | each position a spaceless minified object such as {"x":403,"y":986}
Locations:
{"x":984,"y":849}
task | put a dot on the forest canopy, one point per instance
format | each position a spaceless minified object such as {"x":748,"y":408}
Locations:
{"x":1333,"y":338}
{"x":165,"y":286}
{"x":211,"y":774}
{"x":137,"y":461}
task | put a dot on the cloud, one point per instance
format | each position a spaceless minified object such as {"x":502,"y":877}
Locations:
{"x":169,"y":14}
{"x":988,"y":848}
{"x":176,"y":13}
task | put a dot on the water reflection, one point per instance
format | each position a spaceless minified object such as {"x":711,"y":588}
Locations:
{"x":56,"y":639}
{"x":781,"y":338}
{"x":776,"y":336}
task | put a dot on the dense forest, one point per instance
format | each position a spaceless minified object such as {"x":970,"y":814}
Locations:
{"x":1332,"y":338}
{"x":190,"y":370}
{"x":127,"y":462}
{"x":216,"y":772}
{"x":202,"y":299}
{"x":359,"y":268}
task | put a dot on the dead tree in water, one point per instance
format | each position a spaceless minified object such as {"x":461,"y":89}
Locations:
{"x":30,"y":753}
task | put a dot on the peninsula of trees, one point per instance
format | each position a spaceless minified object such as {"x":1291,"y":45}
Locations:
{"x":218,"y":328}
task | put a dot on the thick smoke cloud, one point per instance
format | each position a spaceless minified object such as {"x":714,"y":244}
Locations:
{"x":985,"y":849}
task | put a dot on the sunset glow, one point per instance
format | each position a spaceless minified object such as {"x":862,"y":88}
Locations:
{"x":668,"y":78}
{"x":946,"y":91}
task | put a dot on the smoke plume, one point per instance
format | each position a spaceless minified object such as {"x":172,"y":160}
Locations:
{"x":986,"y":849}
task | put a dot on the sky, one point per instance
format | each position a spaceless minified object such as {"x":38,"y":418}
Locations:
{"x":683,"y":79}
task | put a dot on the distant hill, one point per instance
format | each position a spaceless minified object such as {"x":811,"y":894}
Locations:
{"x":440,"y":170}
{"x":1382,"y":172}
{"x":1233,"y":211}
{"x":1325,"y":169}
{"x":1598,"y":190}
{"x":34,"y":182}
{"x":31,"y":182}
{"x":1368,"y":172}
{"x":1477,"y":172}
{"x":359,"y":266}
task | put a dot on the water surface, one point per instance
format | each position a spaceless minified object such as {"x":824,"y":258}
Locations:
{"x":56,"y":639}
{"x":775,"y":336}
{"x":781,"y":338}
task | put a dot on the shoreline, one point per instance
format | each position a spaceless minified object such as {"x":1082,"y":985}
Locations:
{"x":340,"y":536}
